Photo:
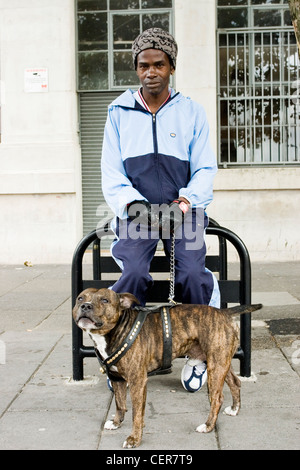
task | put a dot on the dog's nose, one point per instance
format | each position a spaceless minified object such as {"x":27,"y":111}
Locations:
{"x":86,"y":307}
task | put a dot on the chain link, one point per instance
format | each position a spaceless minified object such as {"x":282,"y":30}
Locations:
{"x":172,"y":271}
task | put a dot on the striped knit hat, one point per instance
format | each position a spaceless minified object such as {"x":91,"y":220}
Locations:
{"x":155,"y":38}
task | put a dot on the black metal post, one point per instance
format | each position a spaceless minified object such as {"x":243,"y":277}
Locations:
{"x":76,"y":275}
{"x":245,"y":295}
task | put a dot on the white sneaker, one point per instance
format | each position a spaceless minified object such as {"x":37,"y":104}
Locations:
{"x":194,"y":375}
{"x":109,"y":385}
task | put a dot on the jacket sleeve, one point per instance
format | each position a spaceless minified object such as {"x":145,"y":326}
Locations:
{"x":117,"y":188}
{"x":203,"y":165}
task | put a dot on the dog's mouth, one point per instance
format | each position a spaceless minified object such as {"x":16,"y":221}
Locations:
{"x":88,"y":324}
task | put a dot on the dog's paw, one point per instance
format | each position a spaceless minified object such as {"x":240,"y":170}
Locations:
{"x":130,"y":443}
{"x":202,"y":428}
{"x":110,"y":425}
{"x":126,"y":445}
{"x":230,"y":411}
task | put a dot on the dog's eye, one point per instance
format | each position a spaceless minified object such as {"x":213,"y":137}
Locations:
{"x":80,"y":298}
{"x":104,"y":301}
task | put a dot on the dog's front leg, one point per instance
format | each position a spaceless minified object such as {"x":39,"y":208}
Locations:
{"x":120,"y":391}
{"x":138,"y":393}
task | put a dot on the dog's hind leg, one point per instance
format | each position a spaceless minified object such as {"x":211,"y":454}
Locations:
{"x":234,"y":385}
{"x":120,"y":390}
{"x":215,"y":381}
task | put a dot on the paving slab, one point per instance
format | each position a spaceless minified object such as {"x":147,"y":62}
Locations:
{"x":41,"y":407}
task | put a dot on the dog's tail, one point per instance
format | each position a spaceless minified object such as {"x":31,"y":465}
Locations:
{"x":240,"y":309}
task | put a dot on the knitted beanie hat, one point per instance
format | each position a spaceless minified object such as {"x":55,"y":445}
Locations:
{"x":155,"y":38}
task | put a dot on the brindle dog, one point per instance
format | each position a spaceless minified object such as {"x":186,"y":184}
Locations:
{"x":197,"y":331}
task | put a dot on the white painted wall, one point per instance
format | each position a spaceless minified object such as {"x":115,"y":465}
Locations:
{"x":195,"y":32}
{"x":261,"y":205}
{"x":40,"y":190}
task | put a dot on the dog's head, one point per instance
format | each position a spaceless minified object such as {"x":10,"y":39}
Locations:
{"x":99,"y":311}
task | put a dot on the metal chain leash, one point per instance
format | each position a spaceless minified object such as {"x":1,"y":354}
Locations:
{"x":172,"y":271}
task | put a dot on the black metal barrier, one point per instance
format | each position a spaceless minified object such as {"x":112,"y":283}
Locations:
{"x":232,"y":291}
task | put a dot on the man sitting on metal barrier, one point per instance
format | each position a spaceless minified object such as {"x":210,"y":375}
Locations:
{"x":157,"y":177}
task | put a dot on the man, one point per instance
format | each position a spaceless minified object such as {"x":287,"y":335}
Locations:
{"x":157,"y":177}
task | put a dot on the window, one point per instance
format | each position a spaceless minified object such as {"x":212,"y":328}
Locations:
{"x":258,"y":82}
{"x":106,"y":30}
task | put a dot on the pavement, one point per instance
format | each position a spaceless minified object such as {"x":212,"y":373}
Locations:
{"x":42,"y":408}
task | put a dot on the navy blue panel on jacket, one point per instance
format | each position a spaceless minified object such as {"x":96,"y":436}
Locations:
{"x":158,"y":177}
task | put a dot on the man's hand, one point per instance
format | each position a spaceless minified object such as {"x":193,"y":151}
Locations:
{"x":173,"y":217}
{"x":140,"y":212}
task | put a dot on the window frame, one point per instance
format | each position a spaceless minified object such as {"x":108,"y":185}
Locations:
{"x":284,"y":126}
{"x":110,"y":42}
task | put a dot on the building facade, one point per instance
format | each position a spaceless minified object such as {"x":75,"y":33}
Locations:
{"x":61,"y":64}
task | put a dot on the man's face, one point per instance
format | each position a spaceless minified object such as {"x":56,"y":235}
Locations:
{"x":154,"y":70}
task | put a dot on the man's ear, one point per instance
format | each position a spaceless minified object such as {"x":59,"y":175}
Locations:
{"x":127,"y":300}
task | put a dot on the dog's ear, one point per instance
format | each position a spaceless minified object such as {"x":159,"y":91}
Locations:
{"x":128,"y":300}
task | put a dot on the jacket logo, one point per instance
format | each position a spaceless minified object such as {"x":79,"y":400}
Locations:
{"x":173,"y":135}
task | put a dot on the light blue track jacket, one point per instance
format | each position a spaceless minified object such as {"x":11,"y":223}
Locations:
{"x":156,"y":157}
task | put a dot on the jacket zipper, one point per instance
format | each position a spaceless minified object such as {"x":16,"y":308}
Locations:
{"x":155,"y":148}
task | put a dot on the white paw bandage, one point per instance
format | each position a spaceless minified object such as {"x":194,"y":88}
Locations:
{"x":230,"y":411}
{"x":110,"y":425}
{"x":202,"y":428}
{"x":127,"y":446}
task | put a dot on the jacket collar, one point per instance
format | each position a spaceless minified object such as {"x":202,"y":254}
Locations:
{"x":129,"y":99}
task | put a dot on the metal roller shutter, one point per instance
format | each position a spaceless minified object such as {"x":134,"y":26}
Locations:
{"x":93,"y":113}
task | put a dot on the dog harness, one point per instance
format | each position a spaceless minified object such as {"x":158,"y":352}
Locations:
{"x":143,"y":312}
